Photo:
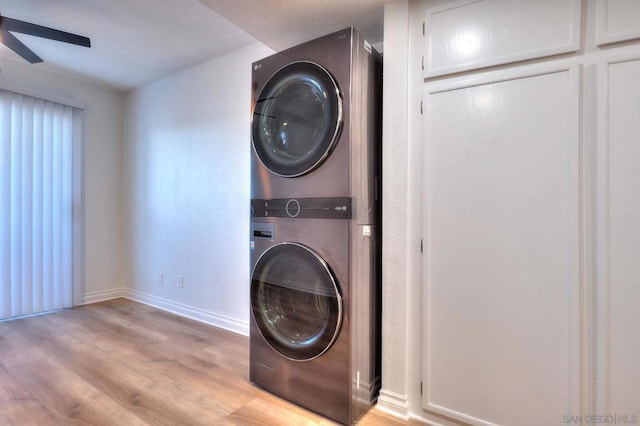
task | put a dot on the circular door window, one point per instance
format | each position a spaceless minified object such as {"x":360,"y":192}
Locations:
{"x":295,"y":301}
{"x":296,"y":119}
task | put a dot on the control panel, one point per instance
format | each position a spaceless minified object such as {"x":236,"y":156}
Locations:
{"x":317,"y":208}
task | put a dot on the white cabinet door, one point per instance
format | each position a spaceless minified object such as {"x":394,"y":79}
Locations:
{"x":618,"y":290}
{"x":501,"y":262}
{"x":617,"y":20}
{"x":472,"y":34}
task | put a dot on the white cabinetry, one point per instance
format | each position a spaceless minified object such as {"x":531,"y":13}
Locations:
{"x":501,"y":256}
{"x":502,"y":31}
{"x":617,"y":20}
{"x":531,"y":213}
{"x":618,"y":196}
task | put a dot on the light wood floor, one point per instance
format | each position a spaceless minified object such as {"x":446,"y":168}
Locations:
{"x":124,"y":363}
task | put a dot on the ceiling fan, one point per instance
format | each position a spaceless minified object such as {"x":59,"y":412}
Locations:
{"x":9,"y":25}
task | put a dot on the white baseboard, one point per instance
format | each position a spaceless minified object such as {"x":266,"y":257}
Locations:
{"x":187,"y":311}
{"x":397,"y":405}
{"x":207,"y":317}
{"x":101,"y":296}
{"x":393,"y":403}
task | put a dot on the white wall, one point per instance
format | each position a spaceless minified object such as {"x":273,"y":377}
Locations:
{"x":188,"y":188}
{"x":104,"y":129}
{"x":401,"y":211}
{"x":395,"y":195}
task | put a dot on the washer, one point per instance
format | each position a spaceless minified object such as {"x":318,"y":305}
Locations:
{"x":314,"y":333}
{"x":315,"y":215}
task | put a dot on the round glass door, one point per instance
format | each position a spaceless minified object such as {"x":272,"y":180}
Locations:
{"x":297,"y":118}
{"x":295,"y":301}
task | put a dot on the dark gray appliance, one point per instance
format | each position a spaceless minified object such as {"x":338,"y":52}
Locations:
{"x":315,"y":216}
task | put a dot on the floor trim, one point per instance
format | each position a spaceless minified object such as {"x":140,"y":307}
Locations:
{"x":207,"y":317}
{"x":393,"y":403}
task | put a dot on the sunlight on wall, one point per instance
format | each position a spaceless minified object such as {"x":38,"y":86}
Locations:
{"x":189,"y":170}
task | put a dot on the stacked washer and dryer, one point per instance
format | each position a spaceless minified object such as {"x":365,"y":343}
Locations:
{"x":315,"y":225}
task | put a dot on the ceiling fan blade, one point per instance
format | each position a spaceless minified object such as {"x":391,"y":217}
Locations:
{"x":17,"y":46}
{"x":15,"y":25}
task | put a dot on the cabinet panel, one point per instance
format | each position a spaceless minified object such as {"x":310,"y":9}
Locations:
{"x":617,"y":20}
{"x":501,"y":262}
{"x":619,"y":240}
{"x":474,"y":34}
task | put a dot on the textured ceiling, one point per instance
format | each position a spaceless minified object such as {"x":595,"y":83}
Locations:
{"x":137,"y":41}
{"x":284,"y":23}
{"x":133,"y":41}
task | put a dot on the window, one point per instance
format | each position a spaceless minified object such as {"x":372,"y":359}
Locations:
{"x":38,"y":188}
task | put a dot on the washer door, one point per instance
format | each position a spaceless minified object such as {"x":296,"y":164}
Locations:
{"x":297,"y":118}
{"x":295,"y":301}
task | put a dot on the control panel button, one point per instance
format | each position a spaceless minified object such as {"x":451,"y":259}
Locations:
{"x":293,"y":208}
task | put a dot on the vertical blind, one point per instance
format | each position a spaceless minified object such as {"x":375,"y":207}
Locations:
{"x":37,"y":139}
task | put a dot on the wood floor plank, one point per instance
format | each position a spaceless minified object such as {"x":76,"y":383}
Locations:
{"x":124,"y":363}
{"x":187,"y":334}
{"x":121,"y":382}
{"x":13,"y":347}
{"x":260,"y":412}
{"x":73,"y":400}
{"x":17,"y":403}
{"x":156,"y":389}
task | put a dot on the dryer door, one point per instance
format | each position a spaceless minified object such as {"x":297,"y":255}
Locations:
{"x":297,"y":119}
{"x":295,"y":301}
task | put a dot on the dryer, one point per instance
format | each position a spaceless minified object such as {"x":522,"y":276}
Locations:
{"x":316,"y":114}
{"x":315,"y":215}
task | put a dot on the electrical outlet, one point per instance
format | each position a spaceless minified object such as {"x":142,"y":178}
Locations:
{"x":180,"y":281}
{"x":160,"y":278}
